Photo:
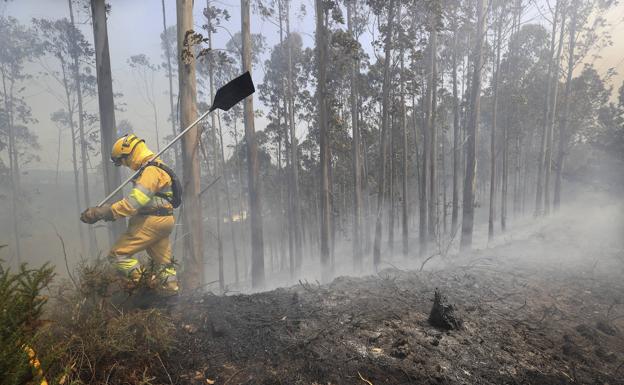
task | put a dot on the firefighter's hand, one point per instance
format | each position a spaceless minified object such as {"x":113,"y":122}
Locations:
{"x":94,"y":214}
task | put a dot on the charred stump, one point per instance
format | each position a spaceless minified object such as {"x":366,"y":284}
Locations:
{"x":443,"y":314}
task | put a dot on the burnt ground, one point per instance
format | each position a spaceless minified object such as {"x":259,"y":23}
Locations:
{"x":543,"y":306}
{"x":526,"y":325}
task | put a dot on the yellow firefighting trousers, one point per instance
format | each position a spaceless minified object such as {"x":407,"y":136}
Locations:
{"x":149,"y":233}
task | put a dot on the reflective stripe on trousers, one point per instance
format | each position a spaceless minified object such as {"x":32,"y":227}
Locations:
{"x":145,"y":232}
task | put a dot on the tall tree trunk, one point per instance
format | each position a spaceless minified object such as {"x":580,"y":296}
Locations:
{"x":432,"y":80}
{"x":404,"y":203}
{"x":563,"y":121}
{"x":551,"y":123}
{"x":472,"y":129}
{"x":511,"y":113}
{"x":541,"y":163}
{"x":367,"y":199}
{"x":325,"y":209}
{"x":72,"y":127}
{"x":194,"y":261}
{"x":495,"y":76}
{"x":391,"y":180}
{"x":384,"y":130}
{"x":426,"y":102}
{"x":13,"y":166}
{"x":456,"y":133}
{"x":294,"y":155}
{"x":241,"y":211}
{"x":172,"y":116}
{"x":83,"y":142}
{"x":255,"y":203}
{"x":355,"y":147}
{"x":228,"y":197}
{"x":108,"y":133}
{"x":215,"y":149}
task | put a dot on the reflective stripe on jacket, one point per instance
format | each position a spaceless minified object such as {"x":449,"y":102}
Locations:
{"x":143,"y":194}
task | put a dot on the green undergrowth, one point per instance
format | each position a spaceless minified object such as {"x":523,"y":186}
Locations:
{"x":85,"y":334}
{"x":21,"y":308}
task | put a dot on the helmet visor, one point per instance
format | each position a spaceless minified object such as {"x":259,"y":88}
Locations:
{"x":117,"y":161}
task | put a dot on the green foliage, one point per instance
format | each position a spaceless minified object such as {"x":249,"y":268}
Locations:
{"x":21,"y":306}
{"x":99,"y":336}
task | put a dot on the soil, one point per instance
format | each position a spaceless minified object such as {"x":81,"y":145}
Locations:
{"x":541,"y":306}
{"x":520,"y":326}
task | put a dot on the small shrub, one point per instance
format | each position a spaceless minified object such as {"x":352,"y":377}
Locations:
{"x":21,"y":306}
{"x":102,"y":340}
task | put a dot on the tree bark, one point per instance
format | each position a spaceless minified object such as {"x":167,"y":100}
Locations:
{"x":384,"y":130}
{"x":355,"y":146}
{"x":432,"y":79}
{"x":404,"y":203}
{"x":325,"y":209}
{"x":83,"y":141}
{"x":495,"y":77}
{"x":539,"y":192}
{"x":215,"y":149}
{"x":294,"y":155}
{"x":172,"y":116}
{"x":194,"y":261}
{"x":72,"y":127}
{"x":255,"y":203}
{"x":13,"y":166}
{"x":108,"y":132}
{"x":472,"y":129}
{"x":456,"y":134}
{"x":563,"y":121}
{"x":551,"y":123}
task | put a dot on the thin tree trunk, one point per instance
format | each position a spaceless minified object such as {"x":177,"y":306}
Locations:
{"x":541,"y":164}
{"x":255,"y":203}
{"x":563,"y":121}
{"x":551,"y":123}
{"x":229,"y":204}
{"x":456,"y":134}
{"x":294,"y":155}
{"x":325,"y":209}
{"x":241,"y":211}
{"x":404,"y":203}
{"x":72,"y":127}
{"x":215,"y":149}
{"x":112,"y":177}
{"x":384,"y":129}
{"x":472,"y":129}
{"x":194,"y":261}
{"x":432,"y":79}
{"x":83,"y":141}
{"x":13,"y":167}
{"x":391,"y":174}
{"x":172,"y":117}
{"x":355,"y":147}
{"x":495,"y":77}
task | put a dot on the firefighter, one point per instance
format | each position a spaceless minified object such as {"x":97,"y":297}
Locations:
{"x":150,"y":203}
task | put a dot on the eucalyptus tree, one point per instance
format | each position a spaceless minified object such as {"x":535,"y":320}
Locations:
{"x":587,"y":32}
{"x":168,"y":45}
{"x":106,"y":104}
{"x":84,"y":83}
{"x":255,"y":202}
{"x":63,"y":41}
{"x":18,"y":46}
{"x":194,"y":260}
{"x":472,"y":129}
{"x":390,"y":11}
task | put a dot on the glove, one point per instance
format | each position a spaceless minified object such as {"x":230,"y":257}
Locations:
{"x":94,"y":214}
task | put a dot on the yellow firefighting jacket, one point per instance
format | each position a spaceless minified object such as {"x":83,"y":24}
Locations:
{"x":142,"y":197}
